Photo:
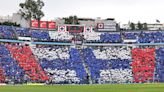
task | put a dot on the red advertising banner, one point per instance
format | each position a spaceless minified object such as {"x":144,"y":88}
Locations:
{"x":43,"y":24}
{"x":51,"y":25}
{"x":34,"y":23}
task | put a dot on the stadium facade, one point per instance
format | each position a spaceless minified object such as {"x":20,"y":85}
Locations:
{"x":150,"y":26}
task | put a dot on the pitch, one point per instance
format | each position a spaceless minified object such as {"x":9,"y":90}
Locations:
{"x":86,"y":88}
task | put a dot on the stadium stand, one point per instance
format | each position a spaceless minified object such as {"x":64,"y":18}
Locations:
{"x":159,"y":65}
{"x":151,"y":37}
{"x":92,"y":36}
{"x":46,"y":59}
{"x":143,"y":64}
{"x":12,"y":72}
{"x":63,"y":64}
{"x":130,"y":35}
{"x":60,"y":36}
{"x":109,"y":67}
{"x":145,"y":36}
{"x":40,"y":35}
{"x":102,"y":37}
{"x":23,"y":32}
{"x":27,"y":61}
{"x":7,"y":32}
{"x":110,"y":38}
{"x":2,"y":77}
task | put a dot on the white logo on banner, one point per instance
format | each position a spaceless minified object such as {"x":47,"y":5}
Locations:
{"x":100,"y":25}
{"x":88,"y":29}
{"x":61,"y":28}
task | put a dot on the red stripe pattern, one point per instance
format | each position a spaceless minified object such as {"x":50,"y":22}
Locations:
{"x":143,"y":64}
{"x":27,"y":61}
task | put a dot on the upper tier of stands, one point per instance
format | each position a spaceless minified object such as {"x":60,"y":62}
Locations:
{"x":138,"y":36}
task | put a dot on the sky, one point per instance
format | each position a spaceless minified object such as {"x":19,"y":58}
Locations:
{"x":122,"y":10}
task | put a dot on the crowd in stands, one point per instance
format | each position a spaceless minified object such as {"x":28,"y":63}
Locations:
{"x":99,"y":37}
{"x":23,"y":32}
{"x":143,"y":64}
{"x":63,"y":64}
{"x":26,"y":60}
{"x":130,"y":35}
{"x":59,"y":64}
{"x":105,"y":66}
{"x":9,"y":32}
{"x":20,"y":63}
{"x":40,"y":35}
{"x":2,"y":77}
{"x":11,"y":70}
{"x":145,"y":36}
{"x":159,"y":74}
{"x":60,"y":36}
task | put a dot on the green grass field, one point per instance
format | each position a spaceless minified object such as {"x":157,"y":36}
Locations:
{"x":86,"y":88}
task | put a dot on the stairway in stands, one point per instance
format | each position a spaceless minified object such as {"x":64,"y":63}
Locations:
{"x":84,"y":64}
{"x":27,"y":61}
